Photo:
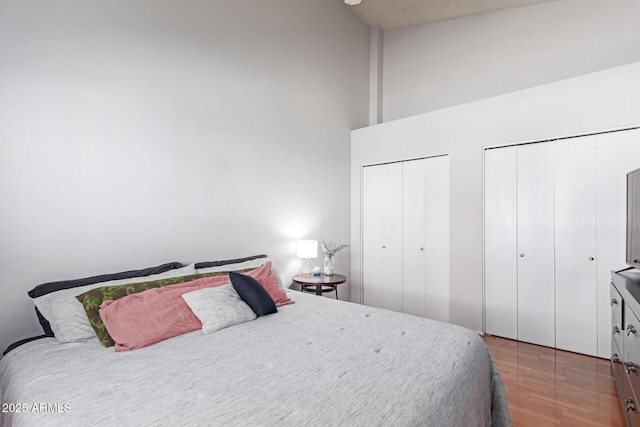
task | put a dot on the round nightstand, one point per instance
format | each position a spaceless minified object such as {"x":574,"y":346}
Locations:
{"x":319,"y":284}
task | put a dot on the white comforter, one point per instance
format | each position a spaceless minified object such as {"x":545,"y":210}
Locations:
{"x":316,"y":362}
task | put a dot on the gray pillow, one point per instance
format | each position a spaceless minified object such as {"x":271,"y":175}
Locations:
{"x":218,"y":307}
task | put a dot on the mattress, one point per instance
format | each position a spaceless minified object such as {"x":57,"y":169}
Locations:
{"x":316,"y":362}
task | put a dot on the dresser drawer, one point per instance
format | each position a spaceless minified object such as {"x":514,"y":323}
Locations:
{"x":616,"y":319}
{"x":623,"y":372}
{"x":630,"y":404}
{"x":631,"y":349}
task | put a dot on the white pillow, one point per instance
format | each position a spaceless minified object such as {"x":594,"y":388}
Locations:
{"x":66,"y":314}
{"x":218,"y":308}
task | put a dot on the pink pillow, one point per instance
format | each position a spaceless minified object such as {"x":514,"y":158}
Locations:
{"x":148,"y":317}
{"x":271,"y":284}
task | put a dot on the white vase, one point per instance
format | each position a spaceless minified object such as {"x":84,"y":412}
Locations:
{"x":328,"y":266}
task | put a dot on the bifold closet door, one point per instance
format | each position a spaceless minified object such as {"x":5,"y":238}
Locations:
{"x":575,"y":243}
{"x":500,"y":242}
{"x":372,"y":236}
{"x":617,"y":154}
{"x":535,"y":218}
{"x":425,"y":237}
{"x":382,"y":236}
{"x":414,"y":208}
{"x":405,"y":237}
{"x":560,"y":208}
{"x":437,"y":239}
{"x":519,"y":243}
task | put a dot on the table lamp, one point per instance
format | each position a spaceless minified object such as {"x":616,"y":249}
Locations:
{"x":307,"y":249}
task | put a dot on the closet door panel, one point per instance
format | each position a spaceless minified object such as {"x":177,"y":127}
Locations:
{"x":437,"y":238}
{"x":575,"y":243}
{"x":413,"y":237}
{"x":500,"y":243}
{"x":617,"y":154}
{"x":372,"y":236}
{"x":391,"y":261}
{"x":535,"y":216}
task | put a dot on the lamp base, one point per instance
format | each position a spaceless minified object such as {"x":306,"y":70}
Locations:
{"x":306,"y":269}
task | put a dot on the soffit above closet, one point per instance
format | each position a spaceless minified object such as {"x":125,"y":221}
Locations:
{"x":394,"y":14}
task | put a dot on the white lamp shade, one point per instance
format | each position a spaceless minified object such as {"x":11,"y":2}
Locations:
{"x":307,"y":249}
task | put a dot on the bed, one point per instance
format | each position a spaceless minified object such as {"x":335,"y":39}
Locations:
{"x":318,"y":361}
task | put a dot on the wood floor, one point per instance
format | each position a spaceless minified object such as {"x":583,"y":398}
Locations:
{"x":548,"y":387}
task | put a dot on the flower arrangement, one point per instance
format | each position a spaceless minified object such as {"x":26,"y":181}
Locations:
{"x":331,"y":249}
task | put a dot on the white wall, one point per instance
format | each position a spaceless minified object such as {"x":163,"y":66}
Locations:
{"x":139,"y":132}
{"x":439,"y":65}
{"x":602,"y":100}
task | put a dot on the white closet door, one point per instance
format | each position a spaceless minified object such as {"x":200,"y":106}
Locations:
{"x":617,"y":154}
{"x":575,"y":237}
{"x":392,"y":280}
{"x":500,"y":243}
{"x":437,"y":238}
{"x":535,"y":216}
{"x":382,"y":236}
{"x":413,"y":237}
{"x":372,"y":236}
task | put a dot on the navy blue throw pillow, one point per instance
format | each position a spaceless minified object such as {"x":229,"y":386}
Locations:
{"x":253,"y":294}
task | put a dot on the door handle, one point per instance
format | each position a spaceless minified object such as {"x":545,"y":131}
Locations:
{"x":629,"y":405}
